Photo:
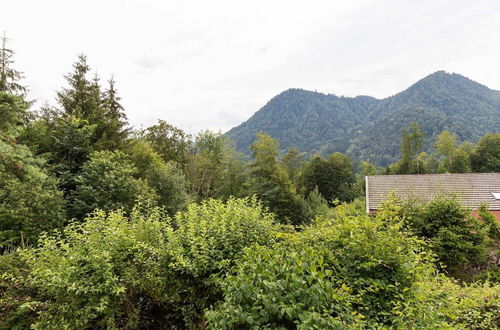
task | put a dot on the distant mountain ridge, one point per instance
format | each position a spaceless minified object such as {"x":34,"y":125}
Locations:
{"x":367,"y":128}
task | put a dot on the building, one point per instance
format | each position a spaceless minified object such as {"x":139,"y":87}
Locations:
{"x":470,"y":188}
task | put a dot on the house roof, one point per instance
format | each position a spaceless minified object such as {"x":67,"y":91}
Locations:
{"x":471,"y":188}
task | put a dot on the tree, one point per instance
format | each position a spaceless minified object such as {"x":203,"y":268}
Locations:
{"x":204,"y":166}
{"x":367,"y":168}
{"x":9,"y":77}
{"x":270,"y":183}
{"x":446,"y":144}
{"x":460,"y":162}
{"x":411,"y":145}
{"x":115,"y":131}
{"x":486,"y":154}
{"x":456,"y":238}
{"x":107,"y":182}
{"x":170,"y":142}
{"x":291,"y":162}
{"x":166,"y":179}
{"x":71,"y":147}
{"x":13,"y":113}
{"x":333,"y":177}
{"x":29,"y":200}
{"x":84,"y":100}
{"x":234,"y":174}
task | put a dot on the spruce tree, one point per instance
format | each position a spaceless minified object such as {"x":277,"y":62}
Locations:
{"x":114,"y":127}
{"x":9,"y":77}
{"x":85,"y":100}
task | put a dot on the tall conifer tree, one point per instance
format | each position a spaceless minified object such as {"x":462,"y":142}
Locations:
{"x":9,"y":77}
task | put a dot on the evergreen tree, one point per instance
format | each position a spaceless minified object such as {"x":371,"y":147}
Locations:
{"x":9,"y":77}
{"x":107,"y":181}
{"x":115,"y":131}
{"x":29,"y":200}
{"x":84,"y":99}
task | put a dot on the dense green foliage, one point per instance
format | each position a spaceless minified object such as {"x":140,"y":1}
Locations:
{"x":333,"y":177}
{"x":29,"y":200}
{"x":144,"y":270}
{"x":485,"y":156}
{"x":104,"y":226}
{"x":107,"y":182}
{"x":369,"y":129}
{"x":349,"y":272}
{"x":335,"y":274}
{"x":229,"y":265}
{"x":9,"y":77}
{"x":270,"y":182}
{"x":455,"y":236}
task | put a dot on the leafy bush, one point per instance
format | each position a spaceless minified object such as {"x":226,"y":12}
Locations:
{"x":209,"y":238}
{"x":109,"y":271}
{"x":17,"y":309}
{"x":489,"y":222}
{"x":333,"y":274}
{"x":141,"y":270}
{"x":439,"y":303}
{"x":279,"y":288}
{"x":454,"y":236}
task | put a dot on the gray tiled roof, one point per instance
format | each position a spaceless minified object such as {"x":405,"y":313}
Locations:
{"x":471,"y":188}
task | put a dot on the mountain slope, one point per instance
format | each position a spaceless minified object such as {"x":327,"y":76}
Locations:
{"x":369,"y":129}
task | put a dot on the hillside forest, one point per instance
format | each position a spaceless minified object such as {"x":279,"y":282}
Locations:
{"x":103,"y":225}
{"x":366,"y":128}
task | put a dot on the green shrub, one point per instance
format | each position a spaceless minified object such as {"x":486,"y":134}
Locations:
{"x":489,"y":222}
{"x":106,"y":272}
{"x":336,"y":273}
{"x":282,"y":288}
{"x":440,"y":303}
{"x":141,"y":270}
{"x":17,"y":308}
{"x":209,"y":238}
{"x":454,"y":236}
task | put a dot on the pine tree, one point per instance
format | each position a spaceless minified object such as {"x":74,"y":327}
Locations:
{"x":9,"y":77}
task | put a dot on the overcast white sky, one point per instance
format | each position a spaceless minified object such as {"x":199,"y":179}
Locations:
{"x":212,"y":64}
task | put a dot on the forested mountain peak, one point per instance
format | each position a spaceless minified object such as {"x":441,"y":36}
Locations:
{"x":368,"y":128}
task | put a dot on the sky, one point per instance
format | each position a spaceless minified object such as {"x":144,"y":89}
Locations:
{"x":212,"y":64}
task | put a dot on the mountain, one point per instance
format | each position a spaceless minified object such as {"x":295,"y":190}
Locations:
{"x":367,"y":128}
